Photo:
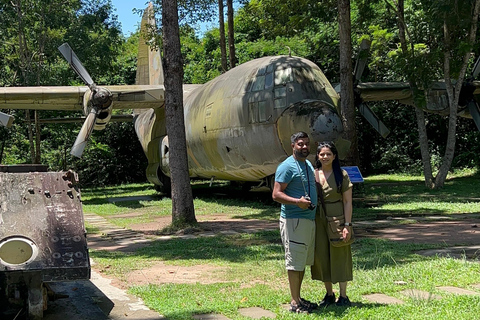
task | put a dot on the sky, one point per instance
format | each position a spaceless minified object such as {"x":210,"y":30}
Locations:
{"x":129,"y":20}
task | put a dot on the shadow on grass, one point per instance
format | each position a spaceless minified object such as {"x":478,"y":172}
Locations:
{"x":266,"y":245}
{"x":455,"y":189}
{"x":374,"y":193}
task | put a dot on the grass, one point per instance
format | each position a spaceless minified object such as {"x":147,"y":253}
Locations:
{"x":128,"y":205}
{"x":249,"y":268}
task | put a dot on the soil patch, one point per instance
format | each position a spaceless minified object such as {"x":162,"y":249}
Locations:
{"x":211,"y":223}
{"x":452,"y":232}
{"x":162,"y":273}
{"x":457,"y":232}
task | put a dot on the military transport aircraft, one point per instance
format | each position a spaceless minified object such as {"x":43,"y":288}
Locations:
{"x":237,"y":125}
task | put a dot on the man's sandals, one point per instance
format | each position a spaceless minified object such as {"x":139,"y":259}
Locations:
{"x":305,"y":306}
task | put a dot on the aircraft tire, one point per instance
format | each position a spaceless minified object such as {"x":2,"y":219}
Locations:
{"x":166,"y":187}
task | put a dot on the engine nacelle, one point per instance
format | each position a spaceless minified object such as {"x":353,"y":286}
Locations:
{"x":102,"y":99}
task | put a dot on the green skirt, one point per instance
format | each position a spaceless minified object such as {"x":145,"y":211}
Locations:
{"x":331,"y":264}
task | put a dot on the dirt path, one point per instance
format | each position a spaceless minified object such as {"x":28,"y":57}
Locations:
{"x":465,"y":232}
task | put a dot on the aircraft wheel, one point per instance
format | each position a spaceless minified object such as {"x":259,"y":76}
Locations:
{"x":166,"y":187}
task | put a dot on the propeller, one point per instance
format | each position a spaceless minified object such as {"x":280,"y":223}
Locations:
{"x":97,"y":99}
{"x":363,"y":108}
{"x":76,"y":64}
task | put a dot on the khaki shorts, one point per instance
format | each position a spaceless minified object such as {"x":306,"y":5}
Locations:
{"x":298,"y":237}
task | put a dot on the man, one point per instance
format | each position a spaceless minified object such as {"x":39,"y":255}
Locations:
{"x":295,"y":189}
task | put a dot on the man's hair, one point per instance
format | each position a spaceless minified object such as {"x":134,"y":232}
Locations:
{"x":298,"y":135}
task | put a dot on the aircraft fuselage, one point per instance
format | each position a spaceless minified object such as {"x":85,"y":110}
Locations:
{"x":238,"y":126}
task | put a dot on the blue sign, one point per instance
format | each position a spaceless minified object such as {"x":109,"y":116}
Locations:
{"x":354,"y":174}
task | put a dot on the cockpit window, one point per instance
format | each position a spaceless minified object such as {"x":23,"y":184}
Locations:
{"x":259,"y":83}
{"x":283,"y":76}
{"x":263,"y":79}
{"x":261,"y":71}
{"x":270,"y":68}
{"x":269,"y":80}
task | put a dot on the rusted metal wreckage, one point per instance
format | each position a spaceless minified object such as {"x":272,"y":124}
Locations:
{"x":42,"y":237}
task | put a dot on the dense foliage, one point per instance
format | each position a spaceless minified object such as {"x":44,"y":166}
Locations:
{"x":28,"y":47}
{"x":30,"y":33}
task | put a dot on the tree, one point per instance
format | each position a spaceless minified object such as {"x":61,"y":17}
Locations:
{"x":346,"y":81}
{"x":231,"y":38}
{"x":221,"y":27}
{"x":459,"y":26}
{"x":182,"y":199}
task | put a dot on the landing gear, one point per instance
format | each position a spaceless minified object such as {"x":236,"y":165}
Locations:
{"x":166,"y":187}
{"x":270,"y":182}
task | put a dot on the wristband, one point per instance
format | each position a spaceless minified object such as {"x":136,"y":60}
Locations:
{"x":348,"y":224}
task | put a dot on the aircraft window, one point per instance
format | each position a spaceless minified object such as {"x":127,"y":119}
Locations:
{"x":269,"y":80}
{"x":261,"y":71}
{"x":253,"y":111}
{"x":283,"y":76}
{"x":270,"y":68}
{"x":262,"y":117}
{"x":280,"y":97}
{"x":280,"y":92}
{"x":259,"y":83}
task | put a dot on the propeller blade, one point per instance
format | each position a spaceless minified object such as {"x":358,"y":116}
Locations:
{"x":361,"y":59}
{"x":474,"y":112}
{"x":84,"y":134}
{"x":76,"y":64}
{"x":6,"y":120}
{"x":476,"y":69}
{"x":373,"y":119}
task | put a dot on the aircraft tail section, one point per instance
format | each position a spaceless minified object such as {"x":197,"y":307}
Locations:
{"x":149,"y":63}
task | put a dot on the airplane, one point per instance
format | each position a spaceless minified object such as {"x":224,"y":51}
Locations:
{"x":238,"y":125}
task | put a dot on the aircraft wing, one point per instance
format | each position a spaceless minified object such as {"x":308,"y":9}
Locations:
{"x":377,"y":91}
{"x":437,"y":99}
{"x":70,"y":98}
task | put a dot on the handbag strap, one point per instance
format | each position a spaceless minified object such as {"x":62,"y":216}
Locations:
{"x":320,"y":191}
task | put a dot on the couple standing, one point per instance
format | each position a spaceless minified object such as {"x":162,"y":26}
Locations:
{"x":303,"y":223}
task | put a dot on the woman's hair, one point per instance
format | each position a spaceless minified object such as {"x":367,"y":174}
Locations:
{"x":337,"y":170}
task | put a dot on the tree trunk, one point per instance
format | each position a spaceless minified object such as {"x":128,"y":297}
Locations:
{"x":223,"y":47}
{"x":24,"y":65}
{"x":453,"y":94}
{"x":231,"y":38}
{"x":423,"y":140}
{"x":420,"y":115}
{"x":182,"y":199}
{"x":38,"y":151}
{"x":346,"y":82}
{"x":28,"y":121}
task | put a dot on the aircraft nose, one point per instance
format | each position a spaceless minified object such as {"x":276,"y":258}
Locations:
{"x":320,"y":120}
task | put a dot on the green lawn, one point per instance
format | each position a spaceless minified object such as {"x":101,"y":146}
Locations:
{"x":250,"y":267}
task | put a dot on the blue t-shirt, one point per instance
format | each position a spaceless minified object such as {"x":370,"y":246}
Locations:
{"x":287,"y":172}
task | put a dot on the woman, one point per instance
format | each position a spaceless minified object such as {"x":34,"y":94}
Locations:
{"x":332,"y":264}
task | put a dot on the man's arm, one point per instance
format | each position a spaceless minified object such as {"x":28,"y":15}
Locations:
{"x":280,"y":196}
